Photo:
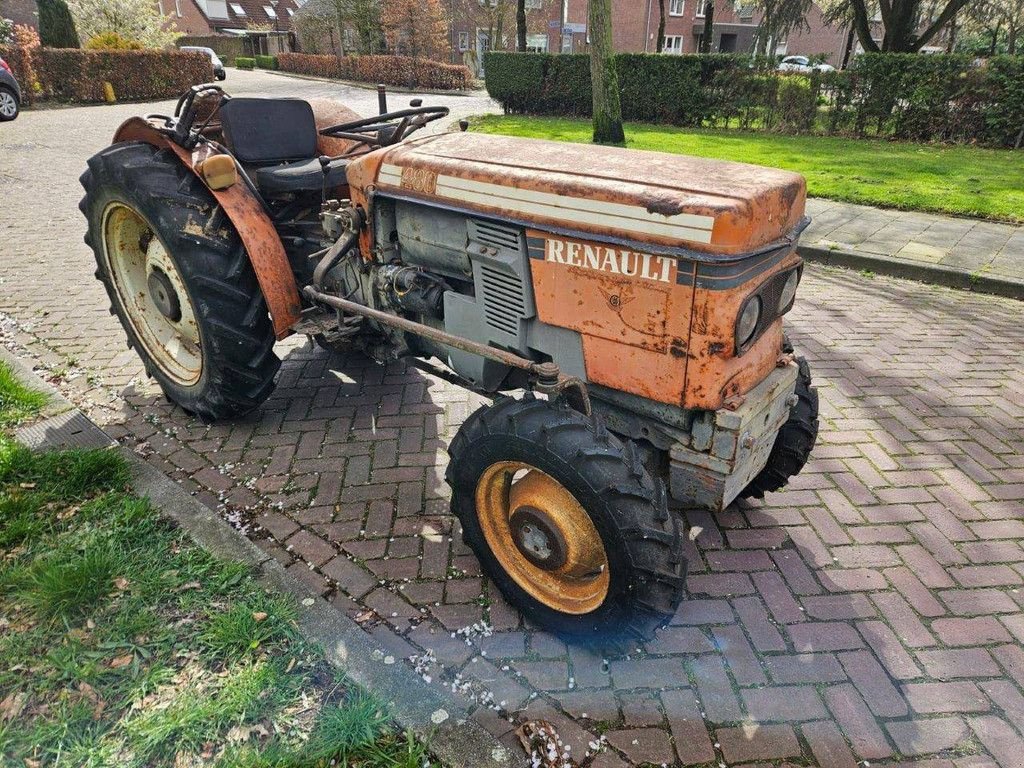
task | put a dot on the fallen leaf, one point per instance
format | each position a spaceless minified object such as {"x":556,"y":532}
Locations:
{"x":122,"y":661}
{"x":189,"y":585}
{"x":365,"y":616}
{"x":259,"y":616}
{"x":291,"y":665}
{"x":121,"y":583}
{"x":12,"y":706}
{"x":27,"y":486}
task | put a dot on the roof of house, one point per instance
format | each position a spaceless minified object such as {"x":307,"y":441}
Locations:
{"x":247,"y":14}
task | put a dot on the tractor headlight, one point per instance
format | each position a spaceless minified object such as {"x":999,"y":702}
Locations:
{"x":788,"y":292}
{"x":746,"y":325}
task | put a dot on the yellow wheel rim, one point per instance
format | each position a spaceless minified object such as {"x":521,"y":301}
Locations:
{"x":152,"y":293}
{"x":543,"y":539}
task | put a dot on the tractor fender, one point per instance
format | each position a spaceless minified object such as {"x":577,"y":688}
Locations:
{"x":254,"y":227}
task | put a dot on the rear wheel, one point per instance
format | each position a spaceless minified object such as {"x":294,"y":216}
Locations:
{"x":566,"y":520}
{"x":179,"y":280}
{"x":9,"y":104}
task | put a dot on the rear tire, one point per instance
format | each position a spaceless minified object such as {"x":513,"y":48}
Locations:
{"x":231,"y":369}
{"x":639,"y":538}
{"x":795,"y":440}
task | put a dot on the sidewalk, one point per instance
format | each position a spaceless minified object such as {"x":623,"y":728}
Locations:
{"x":972,"y":254}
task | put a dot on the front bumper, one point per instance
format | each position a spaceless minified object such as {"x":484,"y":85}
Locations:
{"x":727,"y":449}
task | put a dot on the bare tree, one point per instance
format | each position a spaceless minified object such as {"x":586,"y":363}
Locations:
{"x":603,"y":77}
{"x":521,"y":25}
{"x":908,"y":25}
{"x":416,"y":28}
{"x":661,"y":26}
{"x":709,"y":26}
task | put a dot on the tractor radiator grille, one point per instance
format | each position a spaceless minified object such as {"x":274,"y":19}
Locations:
{"x":497,"y":235}
{"x":504,"y":303}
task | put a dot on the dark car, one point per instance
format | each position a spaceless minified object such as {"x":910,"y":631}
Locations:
{"x":10,"y":93}
{"x":218,"y":65}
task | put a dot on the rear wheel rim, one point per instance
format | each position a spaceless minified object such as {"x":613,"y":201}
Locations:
{"x":8,"y":104}
{"x":542,"y":537}
{"x":137,"y":261}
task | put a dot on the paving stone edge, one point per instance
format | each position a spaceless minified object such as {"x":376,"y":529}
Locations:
{"x":937,"y":274}
{"x":430,"y":712}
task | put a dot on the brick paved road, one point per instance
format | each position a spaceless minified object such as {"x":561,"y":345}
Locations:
{"x":873,"y":612}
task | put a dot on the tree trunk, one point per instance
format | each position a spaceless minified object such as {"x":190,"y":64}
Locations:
{"x":1011,"y":39}
{"x":848,"y":48}
{"x":661,"y":26}
{"x":951,"y":40}
{"x":604,"y":79}
{"x":995,"y":40}
{"x":709,"y":27}
{"x":521,"y":26}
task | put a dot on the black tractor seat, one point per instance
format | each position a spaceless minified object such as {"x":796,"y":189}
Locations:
{"x":278,"y":138}
{"x":300,"y":176}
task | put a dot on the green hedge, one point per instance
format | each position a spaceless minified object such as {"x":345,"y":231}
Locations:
{"x":266,"y":62}
{"x":403,"y":71}
{"x":74,"y":75}
{"x":245,"y":62}
{"x":906,"y":96}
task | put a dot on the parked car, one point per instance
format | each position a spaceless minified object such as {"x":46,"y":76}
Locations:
{"x":10,"y":93}
{"x":218,"y":65}
{"x":803,"y":64}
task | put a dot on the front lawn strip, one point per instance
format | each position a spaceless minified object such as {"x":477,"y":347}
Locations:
{"x":937,"y":178}
{"x":126,"y":644}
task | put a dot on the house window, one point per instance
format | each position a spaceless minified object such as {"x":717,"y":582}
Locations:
{"x":271,"y":13}
{"x":701,"y":5}
{"x":746,"y":11}
{"x":463,"y":41}
{"x":239,"y":10}
{"x":675,"y":7}
{"x":177,"y":7}
{"x":534,"y":5}
{"x":537,"y":43}
{"x":673,"y":44}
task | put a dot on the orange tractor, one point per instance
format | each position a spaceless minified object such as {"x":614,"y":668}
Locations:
{"x":637,"y":298}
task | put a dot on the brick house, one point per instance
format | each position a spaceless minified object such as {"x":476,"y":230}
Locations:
{"x":20,"y":12}
{"x":266,"y":25}
{"x":635,"y":29}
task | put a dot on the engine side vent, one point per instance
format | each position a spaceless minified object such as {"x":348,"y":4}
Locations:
{"x":504,"y":303}
{"x":497,"y":235}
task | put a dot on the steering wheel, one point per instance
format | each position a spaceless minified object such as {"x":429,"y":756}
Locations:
{"x":387,"y":129}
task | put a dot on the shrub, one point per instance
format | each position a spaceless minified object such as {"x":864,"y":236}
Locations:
{"x":78,"y":76}
{"x":6,"y":31}
{"x":111,"y":41}
{"x":906,"y":96}
{"x":56,"y":27}
{"x":266,"y":62}
{"x":390,"y":70}
{"x":22,"y":57}
{"x":245,"y":62}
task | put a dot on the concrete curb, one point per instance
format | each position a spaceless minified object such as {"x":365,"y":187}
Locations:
{"x":922,"y":272}
{"x":430,"y":712}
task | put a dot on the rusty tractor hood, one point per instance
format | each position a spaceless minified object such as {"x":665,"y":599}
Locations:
{"x":720,"y":208}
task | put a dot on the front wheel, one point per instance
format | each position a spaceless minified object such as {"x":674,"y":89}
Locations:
{"x":179,"y":280}
{"x":9,"y":104}
{"x":566,"y":520}
{"x":795,"y":440}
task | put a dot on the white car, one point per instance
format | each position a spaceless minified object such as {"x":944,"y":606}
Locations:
{"x":803,"y":64}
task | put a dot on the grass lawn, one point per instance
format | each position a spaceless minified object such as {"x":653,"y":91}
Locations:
{"x":123,"y":644}
{"x":959,"y":180}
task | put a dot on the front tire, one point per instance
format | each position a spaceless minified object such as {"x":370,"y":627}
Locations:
{"x":10,"y":106}
{"x":566,"y":521}
{"x":179,"y":280}
{"x":795,"y":440}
